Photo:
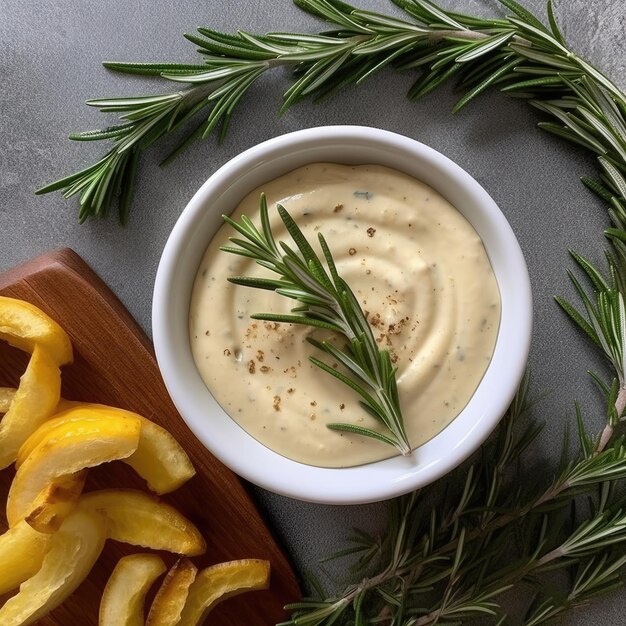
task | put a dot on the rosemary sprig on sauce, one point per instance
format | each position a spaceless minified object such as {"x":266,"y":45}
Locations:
{"x":325,"y":302}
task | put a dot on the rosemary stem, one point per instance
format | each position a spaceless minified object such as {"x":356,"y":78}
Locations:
{"x":553,"y":555}
{"x":605,"y":437}
{"x":501,"y":584}
{"x":349,"y":596}
{"x":620,"y":403}
{"x":503,"y":520}
{"x":193,"y":95}
{"x":431,"y":618}
{"x":470,"y":35}
{"x":607,"y":433}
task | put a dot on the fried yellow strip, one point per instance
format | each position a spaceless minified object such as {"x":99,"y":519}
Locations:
{"x":73,"y":551}
{"x":67,"y":449}
{"x":24,"y":326}
{"x":219,"y":582}
{"x":159,"y":458}
{"x":171,"y":597}
{"x":135,"y":517}
{"x":47,"y":429}
{"x":33,"y":403}
{"x":22,"y":550}
{"x":123,"y":597}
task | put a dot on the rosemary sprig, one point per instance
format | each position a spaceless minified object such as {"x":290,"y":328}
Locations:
{"x":448,"y":554}
{"x":325,"y":302}
{"x":517,"y":54}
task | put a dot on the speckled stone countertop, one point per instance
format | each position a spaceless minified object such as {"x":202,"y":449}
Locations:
{"x":50,"y":64}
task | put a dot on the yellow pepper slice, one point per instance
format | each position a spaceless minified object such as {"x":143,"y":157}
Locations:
{"x":142,"y":520}
{"x":67,"y":449}
{"x":172,"y":595}
{"x":123,"y":597}
{"x":33,"y":403}
{"x":24,"y":326}
{"x":159,"y":458}
{"x":22,"y":550}
{"x":47,"y":429}
{"x":219,"y":582}
{"x":73,"y":551}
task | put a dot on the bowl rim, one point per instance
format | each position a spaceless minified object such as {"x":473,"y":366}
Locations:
{"x":382,"y":479}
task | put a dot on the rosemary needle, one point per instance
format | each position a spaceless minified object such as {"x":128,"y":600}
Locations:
{"x":325,"y":302}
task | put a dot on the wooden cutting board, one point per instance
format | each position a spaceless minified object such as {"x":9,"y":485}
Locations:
{"x":114,"y":364}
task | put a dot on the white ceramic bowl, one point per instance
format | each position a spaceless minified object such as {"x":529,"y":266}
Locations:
{"x":228,"y":441}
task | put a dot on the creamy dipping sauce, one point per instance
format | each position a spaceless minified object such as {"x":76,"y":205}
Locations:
{"x":422,"y":276}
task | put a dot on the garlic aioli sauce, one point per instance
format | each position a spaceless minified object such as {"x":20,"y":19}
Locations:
{"x":422,"y":276}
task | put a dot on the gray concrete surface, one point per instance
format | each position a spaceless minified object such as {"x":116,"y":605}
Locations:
{"x":50,"y":55}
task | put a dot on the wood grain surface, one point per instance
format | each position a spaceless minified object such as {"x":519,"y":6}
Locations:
{"x":114,"y":364}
